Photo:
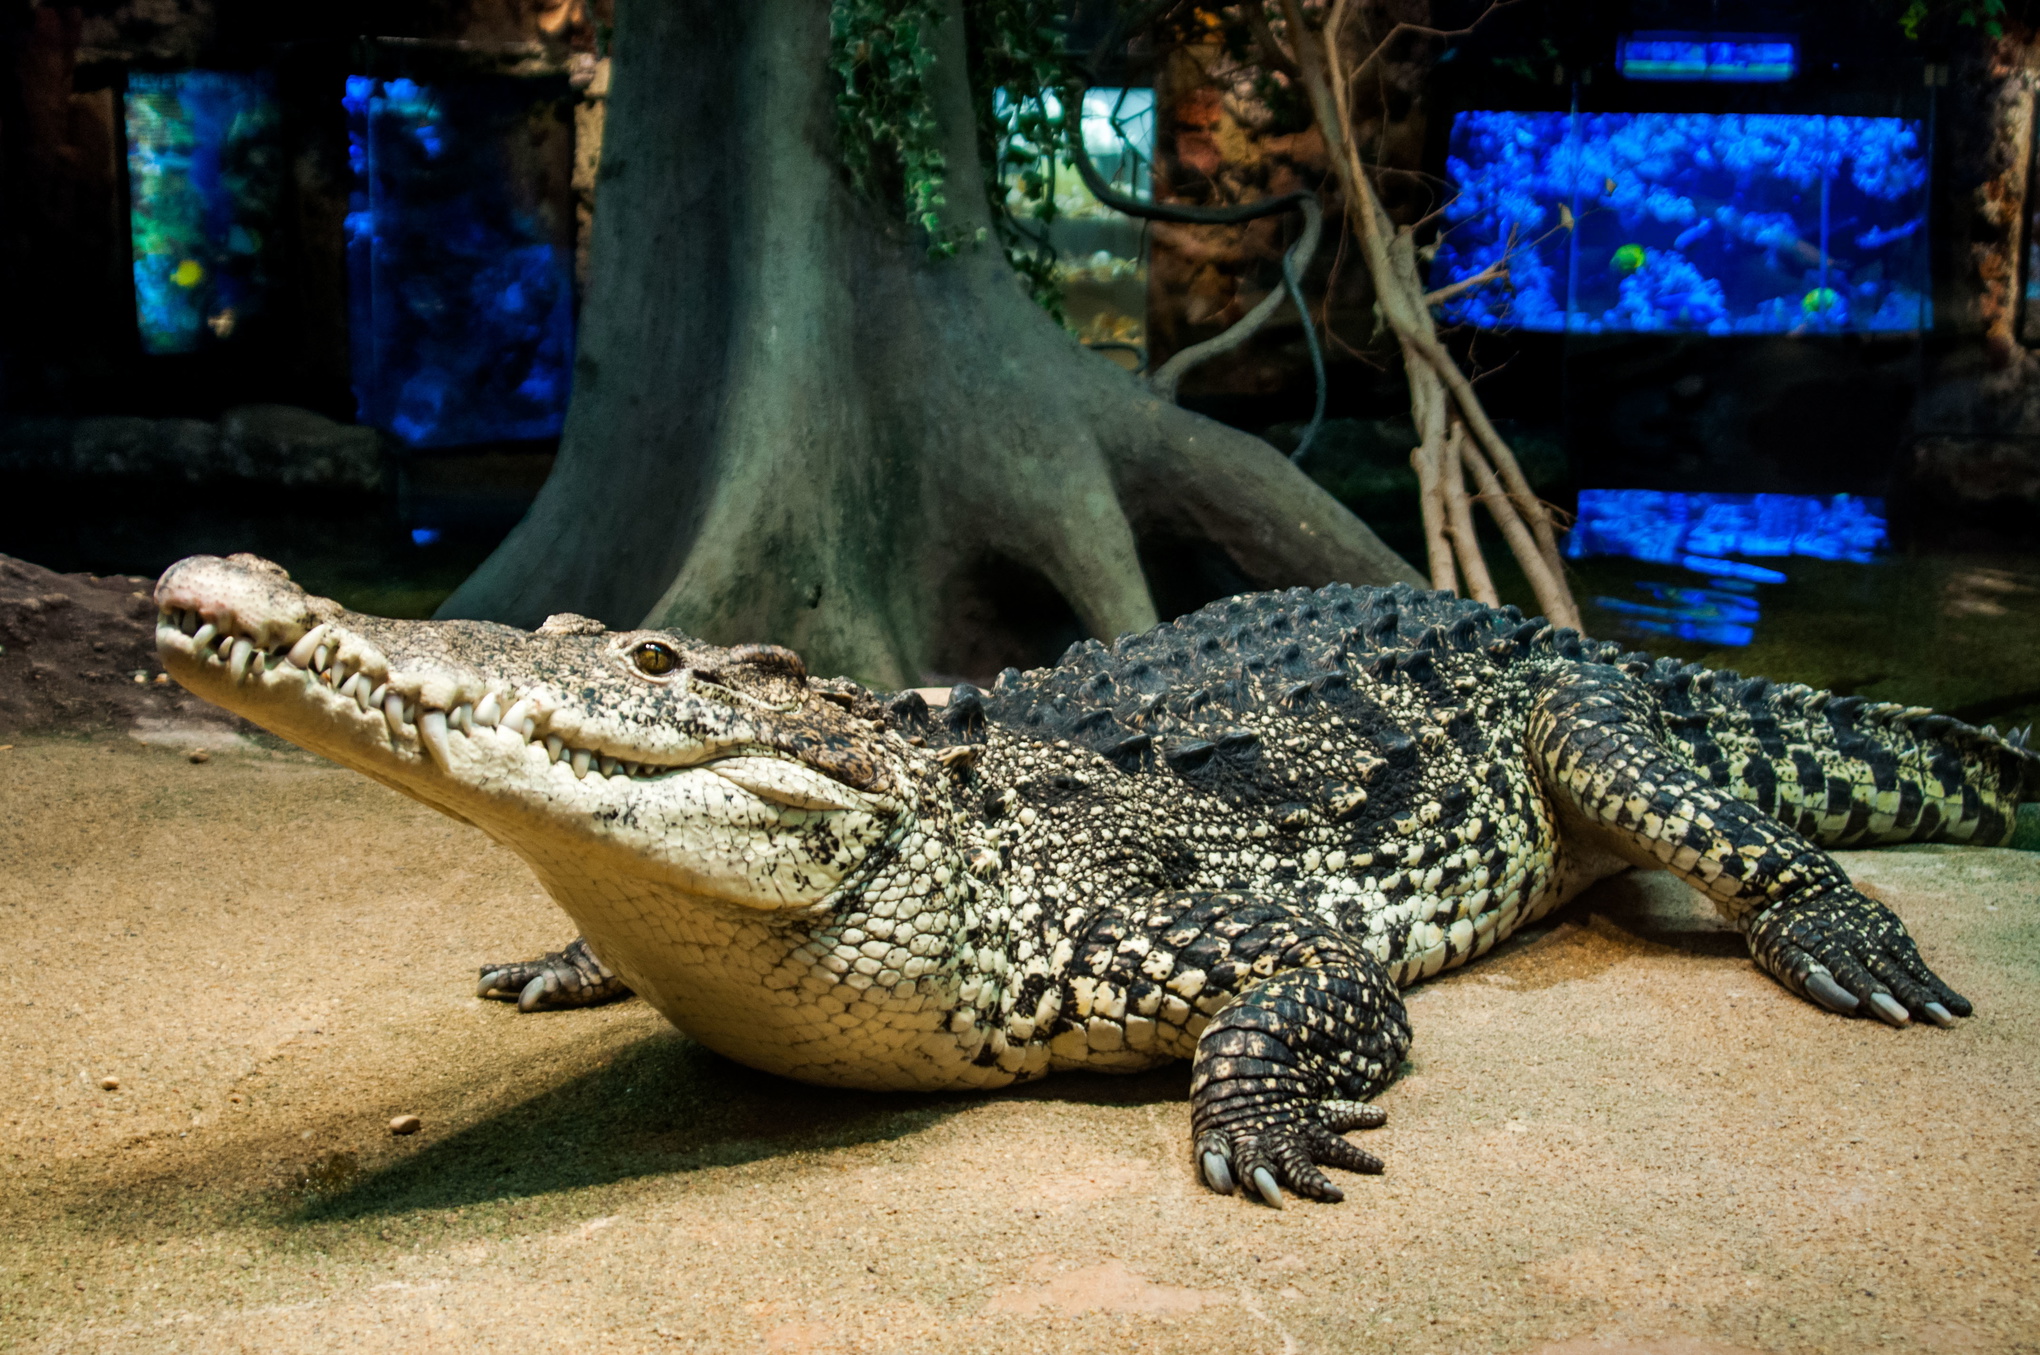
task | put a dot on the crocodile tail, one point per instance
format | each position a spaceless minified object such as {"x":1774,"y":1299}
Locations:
{"x":1847,"y":771}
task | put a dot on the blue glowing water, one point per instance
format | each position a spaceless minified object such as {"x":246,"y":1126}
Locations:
{"x":204,"y":174}
{"x":460,"y":295}
{"x":1700,"y":531}
{"x":1721,"y":223}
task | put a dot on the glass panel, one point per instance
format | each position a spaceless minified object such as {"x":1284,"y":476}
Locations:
{"x":1718,"y":58}
{"x":204,"y":179}
{"x":1719,"y":223}
{"x":1100,"y":254}
{"x":460,"y":264}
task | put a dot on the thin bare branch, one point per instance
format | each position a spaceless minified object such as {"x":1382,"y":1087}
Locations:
{"x":1498,"y":269}
{"x":1170,"y":373}
{"x":1459,"y":517}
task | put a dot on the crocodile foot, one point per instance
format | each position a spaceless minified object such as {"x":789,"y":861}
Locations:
{"x":1283,"y":1145}
{"x":562,"y":978}
{"x":1852,"y":955}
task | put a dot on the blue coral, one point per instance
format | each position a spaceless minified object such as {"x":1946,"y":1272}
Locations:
{"x":1740,"y":217}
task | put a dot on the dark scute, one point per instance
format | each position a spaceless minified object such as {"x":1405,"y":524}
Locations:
{"x":1295,"y":695}
{"x":1399,"y":748}
{"x":1466,"y":632}
{"x":1009,"y":680}
{"x":1454,"y":798}
{"x":1092,"y":719}
{"x":1847,"y":707}
{"x":1383,"y":626}
{"x":1416,"y":663}
{"x":1130,"y":749}
{"x":1383,"y":668}
{"x":1752,"y":691}
{"x":1238,"y":741}
{"x":1188,"y":757}
{"x":1433,"y":638}
{"x":907,"y":705}
{"x":966,"y":706}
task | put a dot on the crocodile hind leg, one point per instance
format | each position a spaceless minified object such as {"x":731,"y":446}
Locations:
{"x":1288,"y":1023}
{"x":1597,"y":738}
{"x":562,"y":978}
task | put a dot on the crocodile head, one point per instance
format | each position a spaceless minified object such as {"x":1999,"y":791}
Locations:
{"x":718,"y":774}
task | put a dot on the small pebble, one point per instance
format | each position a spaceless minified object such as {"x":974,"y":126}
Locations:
{"x":406,"y":1124}
{"x":199,"y":755}
{"x":111,"y":1084}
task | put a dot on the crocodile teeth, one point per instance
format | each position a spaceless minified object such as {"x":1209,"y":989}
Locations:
{"x":378,"y":693}
{"x":393,"y":712}
{"x":462,"y":717}
{"x":610,"y":766}
{"x":579,"y":760}
{"x":310,"y":650}
{"x":432,"y":733}
{"x":204,"y":635}
{"x":488,"y":711}
{"x":555,"y":746}
{"x":237,"y":664}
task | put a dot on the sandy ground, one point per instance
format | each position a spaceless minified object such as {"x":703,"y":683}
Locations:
{"x":1616,"y":1136}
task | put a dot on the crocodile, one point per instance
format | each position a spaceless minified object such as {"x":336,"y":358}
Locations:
{"x":1232,"y":839}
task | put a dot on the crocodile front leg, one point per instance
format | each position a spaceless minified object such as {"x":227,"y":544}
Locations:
{"x":562,"y":978}
{"x":1597,"y":738}
{"x":1289,"y":1024}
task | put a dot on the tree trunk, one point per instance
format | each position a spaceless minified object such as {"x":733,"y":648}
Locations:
{"x":789,"y":424}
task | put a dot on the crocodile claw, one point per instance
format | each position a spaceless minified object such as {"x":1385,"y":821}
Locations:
{"x":1286,"y":1151}
{"x":1853,"y":956}
{"x":562,"y":978}
{"x":1821,"y":987}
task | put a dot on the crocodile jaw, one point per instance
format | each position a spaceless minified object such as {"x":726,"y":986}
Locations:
{"x":421,"y":707}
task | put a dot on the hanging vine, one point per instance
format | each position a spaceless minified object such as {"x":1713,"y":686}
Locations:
{"x":890,"y":137}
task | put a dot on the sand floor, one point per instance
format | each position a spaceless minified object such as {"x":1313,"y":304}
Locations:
{"x":1616,"y":1137}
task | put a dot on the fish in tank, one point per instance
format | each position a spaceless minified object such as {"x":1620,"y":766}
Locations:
{"x":460,"y":268}
{"x":1716,"y":223}
{"x":205,"y":169}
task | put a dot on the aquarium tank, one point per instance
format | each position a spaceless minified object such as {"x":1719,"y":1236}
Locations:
{"x":1718,"y":58}
{"x":1099,"y":256}
{"x":204,"y":181}
{"x":460,"y":271}
{"x":1714,"y":223}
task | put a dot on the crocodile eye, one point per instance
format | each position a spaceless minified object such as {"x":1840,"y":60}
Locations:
{"x":654,"y":658}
